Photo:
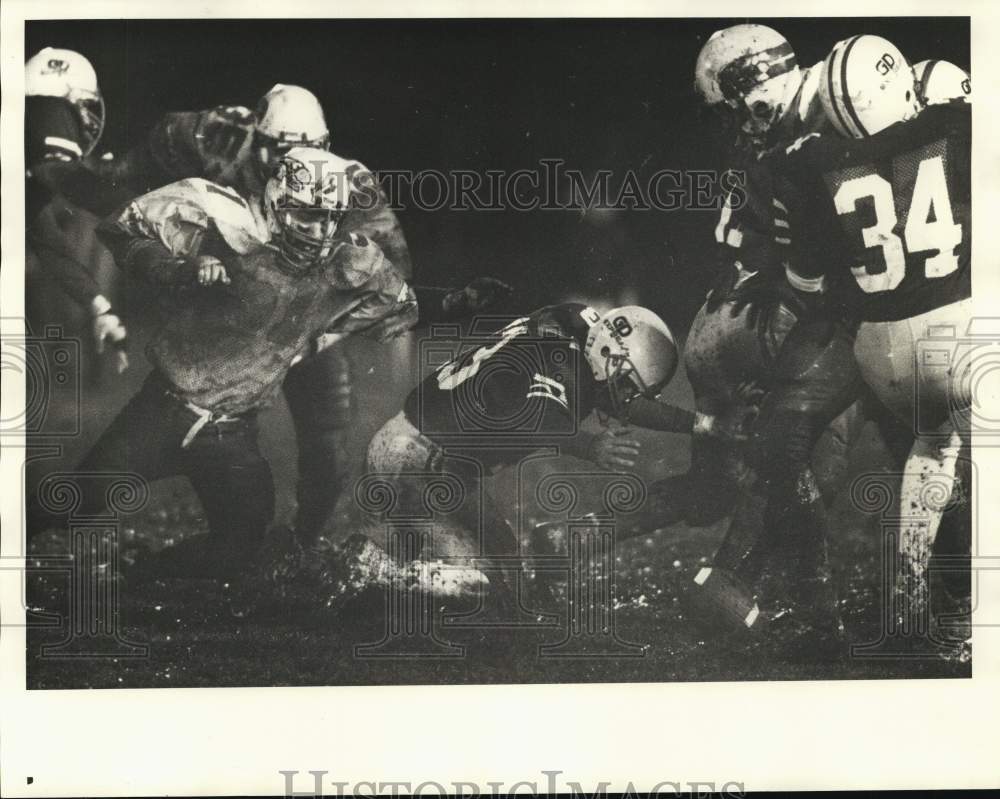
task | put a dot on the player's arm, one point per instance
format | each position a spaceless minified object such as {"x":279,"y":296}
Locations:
{"x":386,"y":306}
{"x":451,"y":304}
{"x":160,"y":235}
{"x":169,"y":153}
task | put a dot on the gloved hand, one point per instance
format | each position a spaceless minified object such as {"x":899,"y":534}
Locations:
{"x":210,"y":270}
{"x":481,"y":294}
{"x":612,"y":450}
{"x":733,"y":426}
{"x":108,"y":326}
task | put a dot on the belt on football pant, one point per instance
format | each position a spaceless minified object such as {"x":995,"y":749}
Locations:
{"x":204,"y":417}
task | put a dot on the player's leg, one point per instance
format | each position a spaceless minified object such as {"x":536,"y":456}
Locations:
{"x":722,"y":350}
{"x":931,"y":394}
{"x":234,"y":483}
{"x":318,"y":391}
{"x":782,"y":511}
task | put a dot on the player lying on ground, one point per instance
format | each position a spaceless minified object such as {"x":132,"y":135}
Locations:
{"x":883,"y":227}
{"x":245,"y":289}
{"x":237,"y":147}
{"x":527,"y":388}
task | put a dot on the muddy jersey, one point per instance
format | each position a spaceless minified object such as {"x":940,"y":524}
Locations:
{"x":885,"y":221}
{"x":527,"y":382}
{"x":224,"y":347}
{"x":218,"y":144}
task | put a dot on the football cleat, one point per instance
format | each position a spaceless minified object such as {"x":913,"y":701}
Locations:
{"x":941,"y":82}
{"x":52,"y":72}
{"x":633,"y":351}
{"x":866,"y":85}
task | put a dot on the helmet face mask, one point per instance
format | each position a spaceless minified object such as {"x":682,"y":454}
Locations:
{"x":307,"y":235}
{"x":90,"y":108}
{"x":625,"y":384}
{"x":269,"y":150}
{"x":631,"y":353}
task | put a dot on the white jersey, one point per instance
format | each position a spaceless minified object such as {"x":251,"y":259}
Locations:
{"x":180,"y":214}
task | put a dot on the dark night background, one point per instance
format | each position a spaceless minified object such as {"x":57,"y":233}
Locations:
{"x":486,"y":95}
{"x":496,"y":94}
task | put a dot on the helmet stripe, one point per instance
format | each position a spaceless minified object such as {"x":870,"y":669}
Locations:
{"x":838,"y":121}
{"x":744,"y":73}
{"x":845,"y":93}
{"x":925,"y":79}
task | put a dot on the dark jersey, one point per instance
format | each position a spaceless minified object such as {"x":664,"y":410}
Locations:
{"x":55,"y":172}
{"x":526,"y":384}
{"x":886,"y":220}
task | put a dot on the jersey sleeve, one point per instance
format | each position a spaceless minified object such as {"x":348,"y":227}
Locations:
{"x":387,"y":306}
{"x":372,"y":216}
{"x":745,"y":230}
{"x":159,"y":232}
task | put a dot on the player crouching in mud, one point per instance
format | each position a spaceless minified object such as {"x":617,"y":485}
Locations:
{"x":525,"y":390}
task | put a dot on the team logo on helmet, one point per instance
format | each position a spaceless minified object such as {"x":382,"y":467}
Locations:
{"x":56,"y":66}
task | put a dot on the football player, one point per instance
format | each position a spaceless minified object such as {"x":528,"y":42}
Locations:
{"x":748,"y":77}
{"x":883,"y":227}
{"x":811,"y":376}
{"x":235,"y":147}
{"x":529,"y":386}
{"x":63,"y":121}
{"x":246,"y":289}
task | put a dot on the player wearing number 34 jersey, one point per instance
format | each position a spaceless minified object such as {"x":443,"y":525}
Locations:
{"x":883,"y":225}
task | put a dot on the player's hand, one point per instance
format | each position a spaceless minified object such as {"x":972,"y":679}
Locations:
{"x":613,"y":450}
{"x":108,"y":328}
{"x":729,"y":427}
{"x":211,"y":270}
{"x":480,"y":295}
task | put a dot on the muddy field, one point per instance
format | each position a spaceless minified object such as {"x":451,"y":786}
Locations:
{"x":309,"y":637}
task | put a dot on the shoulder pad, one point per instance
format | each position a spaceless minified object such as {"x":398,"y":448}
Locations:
{"x":355,"y":262}
{"x":200,"y":203}
{"x":361,"y":178}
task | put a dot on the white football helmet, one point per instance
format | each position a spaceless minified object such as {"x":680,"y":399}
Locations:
{"x":750,"y":73}
{"x":287,"y":116}
{"x":65,"y":73}
{"x":866,"y":85}
{"x":633,"y":351}
{"x":941,"y":82}
{"x":304,"y":201}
